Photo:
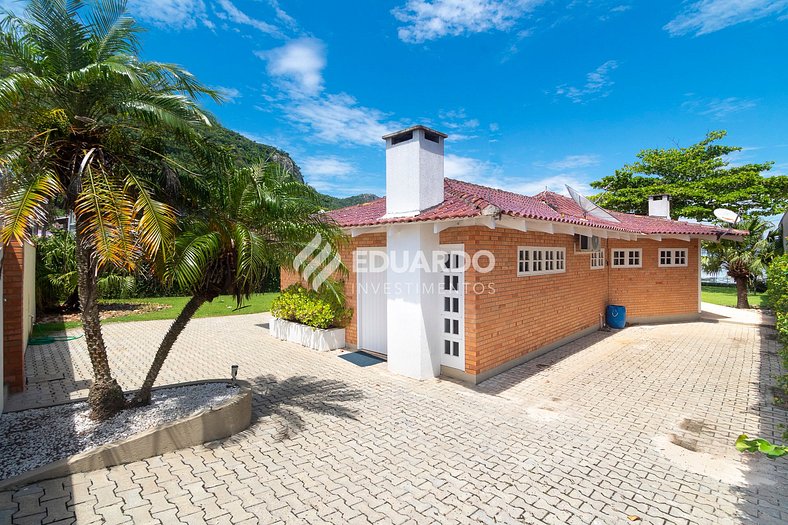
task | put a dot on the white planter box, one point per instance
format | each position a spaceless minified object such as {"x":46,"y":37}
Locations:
{"x":316,"y":338}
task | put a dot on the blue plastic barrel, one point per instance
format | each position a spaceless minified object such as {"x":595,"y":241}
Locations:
{"x":616,"y":316}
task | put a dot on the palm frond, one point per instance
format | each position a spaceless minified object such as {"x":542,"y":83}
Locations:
{"x":24,"y":207}
{"x":112,"y":31}
{"x":103,"y":215}
{"x":164,"y":111}
{"x":193,"y":253}
{"x":17,"y":87}
{"x":155,"y":221}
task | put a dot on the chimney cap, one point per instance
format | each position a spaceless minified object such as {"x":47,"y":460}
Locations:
{"x":414,"y":128}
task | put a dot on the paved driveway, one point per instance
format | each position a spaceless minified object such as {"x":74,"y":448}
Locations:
{"x":636,"y":423}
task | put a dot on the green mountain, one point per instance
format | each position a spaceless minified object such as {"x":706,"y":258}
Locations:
{"x":247,"y":151}
{"x":332,"y":203}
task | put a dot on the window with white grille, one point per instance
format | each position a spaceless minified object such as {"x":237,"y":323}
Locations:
{"x":629,"y":258}
{"x":540,"y":261}
{"x":597,"y":260}
{"x":673,"y":257}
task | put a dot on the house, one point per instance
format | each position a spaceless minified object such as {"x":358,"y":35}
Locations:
{"x":783,"y":228}
{"x":515,"y":276}
{"x":17,"y":311}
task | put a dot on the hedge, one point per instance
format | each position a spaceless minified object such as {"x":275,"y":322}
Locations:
{"x":777,"y":300}
{"x":777,"y":294}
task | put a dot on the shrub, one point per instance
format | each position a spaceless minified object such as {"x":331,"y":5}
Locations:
{"x":777,"y":299}
{"x":777,"y":294}
{"x":322,"y":309}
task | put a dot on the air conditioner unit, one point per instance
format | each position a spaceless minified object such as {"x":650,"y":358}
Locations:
{"x":588,"y":243}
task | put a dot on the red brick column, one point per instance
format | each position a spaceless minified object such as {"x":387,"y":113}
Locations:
{"x":13,"y":306}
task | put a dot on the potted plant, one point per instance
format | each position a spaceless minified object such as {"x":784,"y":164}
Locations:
{"x":315,"y":319}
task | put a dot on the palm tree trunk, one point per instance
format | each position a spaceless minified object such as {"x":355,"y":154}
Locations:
{"x":143,"y":396}
{"x":105,"y":397}
{"x":741,"y":293}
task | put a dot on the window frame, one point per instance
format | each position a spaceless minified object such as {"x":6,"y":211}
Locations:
{"x":553,"y":257}
{"x":627,"y":256}
{"x":596,"y":256}
{"x":672,"y":252}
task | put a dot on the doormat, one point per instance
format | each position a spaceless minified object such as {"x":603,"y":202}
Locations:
{"x":361,"y":359}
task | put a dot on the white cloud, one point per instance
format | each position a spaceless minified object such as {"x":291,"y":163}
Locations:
{"x":597,"y":85}
{"x":707,"y":16}
{"x":232,"y":13}
{"x":457,"y":124}
{"x":432,"y":19}
{"x":571,"y":162}
{"x":490,"y":174}
{"x":172,"y":14}
{"x":556,"y":183}
{"x":299,"y":63}
{"x":331,"y":165}
{"x":514,"y":47}
{"x":623,"y":8}
{"x":229,"y":94}
{"x":617,"y":10}
{"x":188,"y":14}
{"x":297,"y":70}
{"x":469,"y":169}
{"x":339,"y":119}
{"x":282,"y":16}
{"x":718,"y":108}
{"x":332,"y":174}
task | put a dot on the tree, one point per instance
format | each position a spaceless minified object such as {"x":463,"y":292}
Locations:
{"x":743,"y":261}
{"x":84,"y":119}
{"x":56,"y":274}
{"x":246,"y":224}
{"x":698,"y":179}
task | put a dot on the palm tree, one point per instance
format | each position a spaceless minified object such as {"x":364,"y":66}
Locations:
{"x":745,"y":261}
{"x":248,"y":223}
{"x":83,"y":121}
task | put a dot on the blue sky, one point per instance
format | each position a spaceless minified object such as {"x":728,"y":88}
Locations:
{"x":533,"y":93}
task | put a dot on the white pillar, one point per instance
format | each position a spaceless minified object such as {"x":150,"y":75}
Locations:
{"x":412,"y":302}
{"x":700,"y":275}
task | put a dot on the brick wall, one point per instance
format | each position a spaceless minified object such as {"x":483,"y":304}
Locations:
{"x":371,"y":240}
{"x":14,"y":335}
{"x":652,"y":291}
{"x":527,"y":313}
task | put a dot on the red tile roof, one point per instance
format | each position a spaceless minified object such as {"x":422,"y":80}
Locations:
{"x":466,"y":200}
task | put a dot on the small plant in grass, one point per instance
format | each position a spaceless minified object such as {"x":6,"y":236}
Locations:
{"x":324,"y":308}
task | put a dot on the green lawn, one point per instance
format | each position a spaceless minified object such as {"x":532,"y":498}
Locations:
{"x":726,"y":296}
{"x":221,"y":306}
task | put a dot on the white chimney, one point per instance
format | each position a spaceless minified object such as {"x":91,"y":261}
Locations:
{"x":659,"y":206}
{"x":414,"y":170}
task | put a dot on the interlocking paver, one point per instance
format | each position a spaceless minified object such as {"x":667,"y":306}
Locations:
{"x":584,"y":434}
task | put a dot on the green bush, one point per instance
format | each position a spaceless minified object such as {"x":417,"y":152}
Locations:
{"x":776,"y":298}
{"x":777,"y":295}
{"x":322,"y":309}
